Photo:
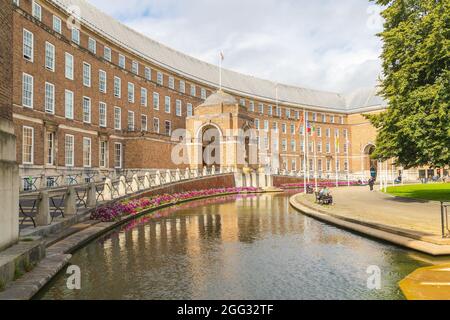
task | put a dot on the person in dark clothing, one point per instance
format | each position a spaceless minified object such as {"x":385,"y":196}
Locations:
{"x":371,"y":183}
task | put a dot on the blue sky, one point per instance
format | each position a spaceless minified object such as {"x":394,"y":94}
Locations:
{"x":321,"y":44}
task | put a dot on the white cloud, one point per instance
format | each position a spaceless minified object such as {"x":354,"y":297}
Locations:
{"x":323,"y":44}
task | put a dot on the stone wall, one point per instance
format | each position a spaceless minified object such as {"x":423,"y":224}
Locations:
{"x":9,"y":183}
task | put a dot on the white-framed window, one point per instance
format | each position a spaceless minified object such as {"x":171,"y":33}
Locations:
{"x":319,"y":147}
{"x":102,"y":81}
{"x":302,"y":130}
{"x":345,"y":133}
{"x":314,"y":117}
{"x":171,"y":83}
{"x":27,"y":145}
{"x":278,"y":111}
{"x":50,"y":154}
{"x":178,"y":108}
{"x":297,"y":115}
{"x":69,"y":150}
{"x":86,"y":74}
{"x":160,"y":78}
{"x":130,"y":121}
{"x":76,"y":35}
{"x":270,"y":111}
{"x":148,"y":73}
{"x":69,"y":66}
{"x":327,"y":147}
{"x":49,"y":98}
{"x":182,"y":86}
{"x":292,"y":128}
{"x":193,"y":90}
{"x":293,"y":165}
{"x":242,"y":102}
{"x":144,"y":122}
{"x":167,"y":104}
{"x":122,"y":61}
{"x":155,"y":100}
{"x":130,"y":92}
{"x":68,"y":104}
{"x":293,"y":146}
{"x":288,"y":113}
{"x":203,"y":94}
{"x":102,"y":111}
{"x":49,"y":56}
{"x":87,"y":148}
{"x":156,"y":125}
{"x":117,"y":87}
{"x":92,"y":45}
{"x":319,"y":165}
{"x":257,"y":124}
{"x":117,"y":118}
{"x":189,"y":109}
{"x":27,"y":90}
{"x":338,"y":165}
{"x":168,"y":127}
{"x":266,"y":125}
{"x":336,"y":133}
{"x":341,"y":120}
{"x":328,"y":165}
{"x":261,"y":108}
{"x":144,"y":99}
{"x":135,"y":67}
{"x":36,"y":11}
{"x":275,"y":126}
{"x":284,"y":145}
{"x":284,"y":128}
{"x":324,"y":118}
{"x":251,"y":106}
{"x":107,"y":54}
{"x":319,"y":132}
{"x":86,"y":110}
{"x":103,"y":156}
{"x":57,"y":25}
{"x":332,"y":118}
{"x":28,"y":45}
{"x":328,"y":132}
{"x":117,"y":155}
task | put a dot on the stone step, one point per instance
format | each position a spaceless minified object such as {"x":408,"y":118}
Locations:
{"x":29,"y":284}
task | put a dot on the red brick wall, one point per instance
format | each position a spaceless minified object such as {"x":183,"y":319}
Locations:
{"x":224,"y":181}
{"x":5,"y":59}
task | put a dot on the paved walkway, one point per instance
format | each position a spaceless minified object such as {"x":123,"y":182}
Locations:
{"x":419,"y":219}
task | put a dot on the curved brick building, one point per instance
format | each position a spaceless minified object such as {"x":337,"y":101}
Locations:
{"x":92,"y":94}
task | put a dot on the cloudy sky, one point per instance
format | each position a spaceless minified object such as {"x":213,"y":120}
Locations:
{"x":322,"y":44}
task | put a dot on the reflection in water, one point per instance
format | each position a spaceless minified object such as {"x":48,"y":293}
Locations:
{"x":234,"y":247}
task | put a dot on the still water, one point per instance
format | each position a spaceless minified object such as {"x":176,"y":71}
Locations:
{"x":234,"y":247}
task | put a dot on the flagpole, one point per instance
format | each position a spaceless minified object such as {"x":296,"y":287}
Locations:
{"x":220,"y":71}
{"x":305,"y":148}
{"x":315,"y":163}
{"x":336,"y":162}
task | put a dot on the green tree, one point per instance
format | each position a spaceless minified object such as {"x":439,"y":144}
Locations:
{"x":415,"y":129}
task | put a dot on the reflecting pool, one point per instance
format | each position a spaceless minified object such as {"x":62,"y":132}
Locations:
{"x":233,"y":247}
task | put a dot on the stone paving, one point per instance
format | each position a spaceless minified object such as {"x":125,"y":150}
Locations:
{"x":415,"y":218}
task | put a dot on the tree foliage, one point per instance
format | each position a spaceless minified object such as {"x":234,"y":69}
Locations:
{"x":415,"y":129}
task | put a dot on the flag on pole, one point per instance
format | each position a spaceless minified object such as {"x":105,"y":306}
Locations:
{"x":222,"y":57}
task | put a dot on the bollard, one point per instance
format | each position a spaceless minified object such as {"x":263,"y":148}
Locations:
{"x":135,"y":183}
{"x":213,"y":170}
{"x":108,"y":190}
{"x":168,"y":176}
{"x":70,"y":203}
{"x":195,"y":173}
{"x":205,"y":171}
{"x":187,"y":174}
{"x":147,"y":181}
{"x":158,"y":178}
{"x":91,"y":196}
{"x":177,"y":175}
{"x":43,"y":217}
{"x":122,"y":186}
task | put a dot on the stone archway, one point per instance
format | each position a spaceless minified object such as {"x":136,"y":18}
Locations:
{"x":370,"y":165}
{"x":210,"y":137}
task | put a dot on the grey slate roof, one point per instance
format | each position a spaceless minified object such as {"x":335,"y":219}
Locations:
{"x":208,"y":74}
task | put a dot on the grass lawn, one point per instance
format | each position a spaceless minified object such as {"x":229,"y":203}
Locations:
{"x":436,"y":192}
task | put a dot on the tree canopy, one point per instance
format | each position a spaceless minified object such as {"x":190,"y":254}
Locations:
{"x":415,"y":129}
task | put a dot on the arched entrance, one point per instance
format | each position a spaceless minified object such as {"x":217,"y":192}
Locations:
{"x":370,"y":165}
{"x":210,"y":137}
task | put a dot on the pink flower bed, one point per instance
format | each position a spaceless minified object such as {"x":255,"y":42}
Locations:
{"x":133,"y":207}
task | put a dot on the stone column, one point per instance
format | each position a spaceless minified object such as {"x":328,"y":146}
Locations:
{"x":122,"y":186}
{"x":70,"y":202}
{"x":135,"y":183}
{"x":9,"y":170}
{"x":108,"y":190}
{"x":43,"y":217}
{"x":147,"y":183}
{"x":91,"y":196}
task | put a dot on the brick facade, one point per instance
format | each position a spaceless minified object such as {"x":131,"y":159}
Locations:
{"x":5,"y":60}
{"x":141,"y":149}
